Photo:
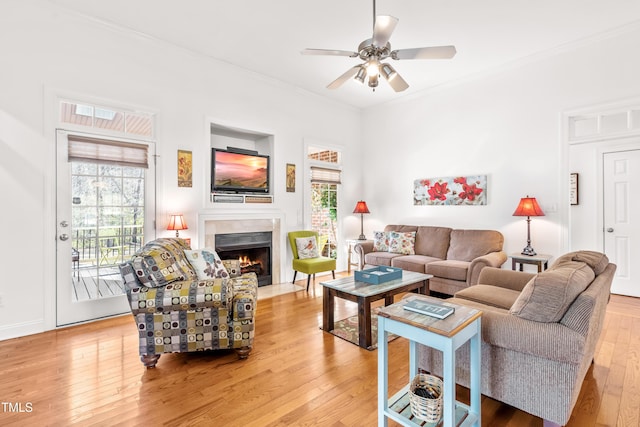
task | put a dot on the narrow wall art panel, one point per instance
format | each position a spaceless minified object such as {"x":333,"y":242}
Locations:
{"x":459,"y":190}
{"x":185,"y":168}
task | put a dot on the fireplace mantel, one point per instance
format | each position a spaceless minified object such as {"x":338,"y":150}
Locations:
{"x":239,"y":221}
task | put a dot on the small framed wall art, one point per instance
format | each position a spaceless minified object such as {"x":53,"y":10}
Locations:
{"x":291,"y":178}
{"x":185,"y":168}
{"x":573,"y":189}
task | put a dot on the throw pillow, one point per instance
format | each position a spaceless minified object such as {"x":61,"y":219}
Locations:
{"x":380,"y":241}
{"x":232,"y":266}
{"x":307,"y":247}
{"x":207,"y":264}
{"x":402,"y":243}
{"x":549,"y":294}
{"x":161,"y":262}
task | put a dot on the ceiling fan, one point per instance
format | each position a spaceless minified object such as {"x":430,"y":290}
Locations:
{"x":375,"y":50}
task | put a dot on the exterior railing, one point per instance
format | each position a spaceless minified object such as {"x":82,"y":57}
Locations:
{"x":107,"y":245}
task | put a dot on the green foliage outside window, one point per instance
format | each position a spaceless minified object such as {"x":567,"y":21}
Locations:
{"x":324,"y":201}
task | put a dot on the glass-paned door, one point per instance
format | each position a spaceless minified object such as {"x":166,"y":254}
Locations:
{"x":324,"y":215}
{"x":104,"y":214}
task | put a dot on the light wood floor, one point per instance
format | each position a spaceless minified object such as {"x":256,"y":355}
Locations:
{"x":295,"y":375}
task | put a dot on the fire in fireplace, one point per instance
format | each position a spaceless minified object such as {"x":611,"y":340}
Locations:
{"x":247,"y":265}
{"x":253,"y":250}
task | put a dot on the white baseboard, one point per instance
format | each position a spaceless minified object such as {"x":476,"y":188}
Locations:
{"x":17,"y":330}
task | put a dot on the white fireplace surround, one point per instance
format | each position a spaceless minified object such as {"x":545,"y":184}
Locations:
{"x":210,"y":224}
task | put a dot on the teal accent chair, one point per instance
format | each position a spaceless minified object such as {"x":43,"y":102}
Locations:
{"x":310,"y":266}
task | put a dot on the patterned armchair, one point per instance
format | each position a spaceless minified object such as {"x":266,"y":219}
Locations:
{"x":175,"y":312}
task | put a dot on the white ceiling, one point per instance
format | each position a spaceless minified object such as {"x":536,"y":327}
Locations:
{"x":267,"y":36}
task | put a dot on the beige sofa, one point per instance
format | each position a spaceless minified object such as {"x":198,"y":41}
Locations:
{"x":454,"y":257}
{"x":539,"y":333}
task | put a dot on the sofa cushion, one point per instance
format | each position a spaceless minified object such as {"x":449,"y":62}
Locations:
{"x":466,"y":245}
{"x":596,"y":260}
{"x":380,"y":241}
{"x":401,"y":228}
{"x":402,"y":243}
{"x":181,"y":295}
{"x":380,"y":258}
{"x":449,"y":269}
{"x":494,"y":296}
{"x":162,"y":261}
{"x":206,"y":263}
{"x":412,"y":262}
{"x":549,"y":294}
{"x":233,"y":267}
{"x":432,"y":241}
{"x":129,"y":275}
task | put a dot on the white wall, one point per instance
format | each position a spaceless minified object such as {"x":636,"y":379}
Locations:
{"x":506,"y":125}
{"x":48,"y":52}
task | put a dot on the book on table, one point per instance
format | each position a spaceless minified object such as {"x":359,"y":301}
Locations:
{"x":439,"y":311}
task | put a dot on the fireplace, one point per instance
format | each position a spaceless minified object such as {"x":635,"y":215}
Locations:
{"x":252,"y":249}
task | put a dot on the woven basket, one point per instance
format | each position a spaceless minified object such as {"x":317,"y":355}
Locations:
{"x":429,"y":410}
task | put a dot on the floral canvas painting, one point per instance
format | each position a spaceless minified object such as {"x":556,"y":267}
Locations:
{"x":460,"y":190}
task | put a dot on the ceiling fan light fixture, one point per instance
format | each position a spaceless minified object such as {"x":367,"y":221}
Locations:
{"x":373,"y":81}
{"x":361,"y":74}
{"x":387,"y":71}
{"x":373,"y":68}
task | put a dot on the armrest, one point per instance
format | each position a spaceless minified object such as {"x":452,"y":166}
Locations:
{"x":552,"y":341}
{"x":245,"y":295}
{"x":362,"y":249}
{"x":515,"y":280}
{"x":493,"y":259}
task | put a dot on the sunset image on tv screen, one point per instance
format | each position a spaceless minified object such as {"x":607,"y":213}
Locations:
{"x":240,"y":170}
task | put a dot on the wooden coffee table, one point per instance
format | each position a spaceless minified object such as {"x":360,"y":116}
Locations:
{"x":364,"y":294}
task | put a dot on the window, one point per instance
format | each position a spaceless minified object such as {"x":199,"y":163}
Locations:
{"x":325,"y":180}
{"x":105,"y":118}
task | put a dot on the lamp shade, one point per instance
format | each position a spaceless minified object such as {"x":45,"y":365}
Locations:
{"x":528,"y":206}
{"x":177,"y":222}
{"x":361,"y":208}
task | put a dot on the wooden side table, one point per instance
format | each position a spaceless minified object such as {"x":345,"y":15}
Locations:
{"x":541,"y":260}
{"x":351,"y":243}
{"x":445,"y":335}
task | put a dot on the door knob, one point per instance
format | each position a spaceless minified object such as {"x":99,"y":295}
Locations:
{"x":609,"y":230}
{"x":64,"y":237}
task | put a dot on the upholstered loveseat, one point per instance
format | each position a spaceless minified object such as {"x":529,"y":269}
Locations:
{"x":454,"y":257}
{"x":176,"y":312}
{"x":539,"y":333}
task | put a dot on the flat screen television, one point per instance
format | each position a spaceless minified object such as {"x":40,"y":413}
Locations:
{"x":238,"y":171}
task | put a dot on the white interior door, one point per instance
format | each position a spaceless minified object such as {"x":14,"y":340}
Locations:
{"x":105,"y":212}
{"x":621,"y":178}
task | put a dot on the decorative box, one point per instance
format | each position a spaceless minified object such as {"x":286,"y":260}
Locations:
{"x":378,"y":275}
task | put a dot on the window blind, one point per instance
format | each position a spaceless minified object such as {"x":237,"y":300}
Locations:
{"x":105,"y":151}
{"x":325,"y":175}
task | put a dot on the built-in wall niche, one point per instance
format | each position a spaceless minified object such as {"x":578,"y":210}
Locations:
{"x":240,"y":145}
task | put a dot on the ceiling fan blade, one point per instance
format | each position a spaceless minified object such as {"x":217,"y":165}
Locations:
{"x":351,"y":72}
{"x":382,"y":29}
{"x":433,"y":52}
{"x":329,"y":52}
{"x":396,"y":82}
